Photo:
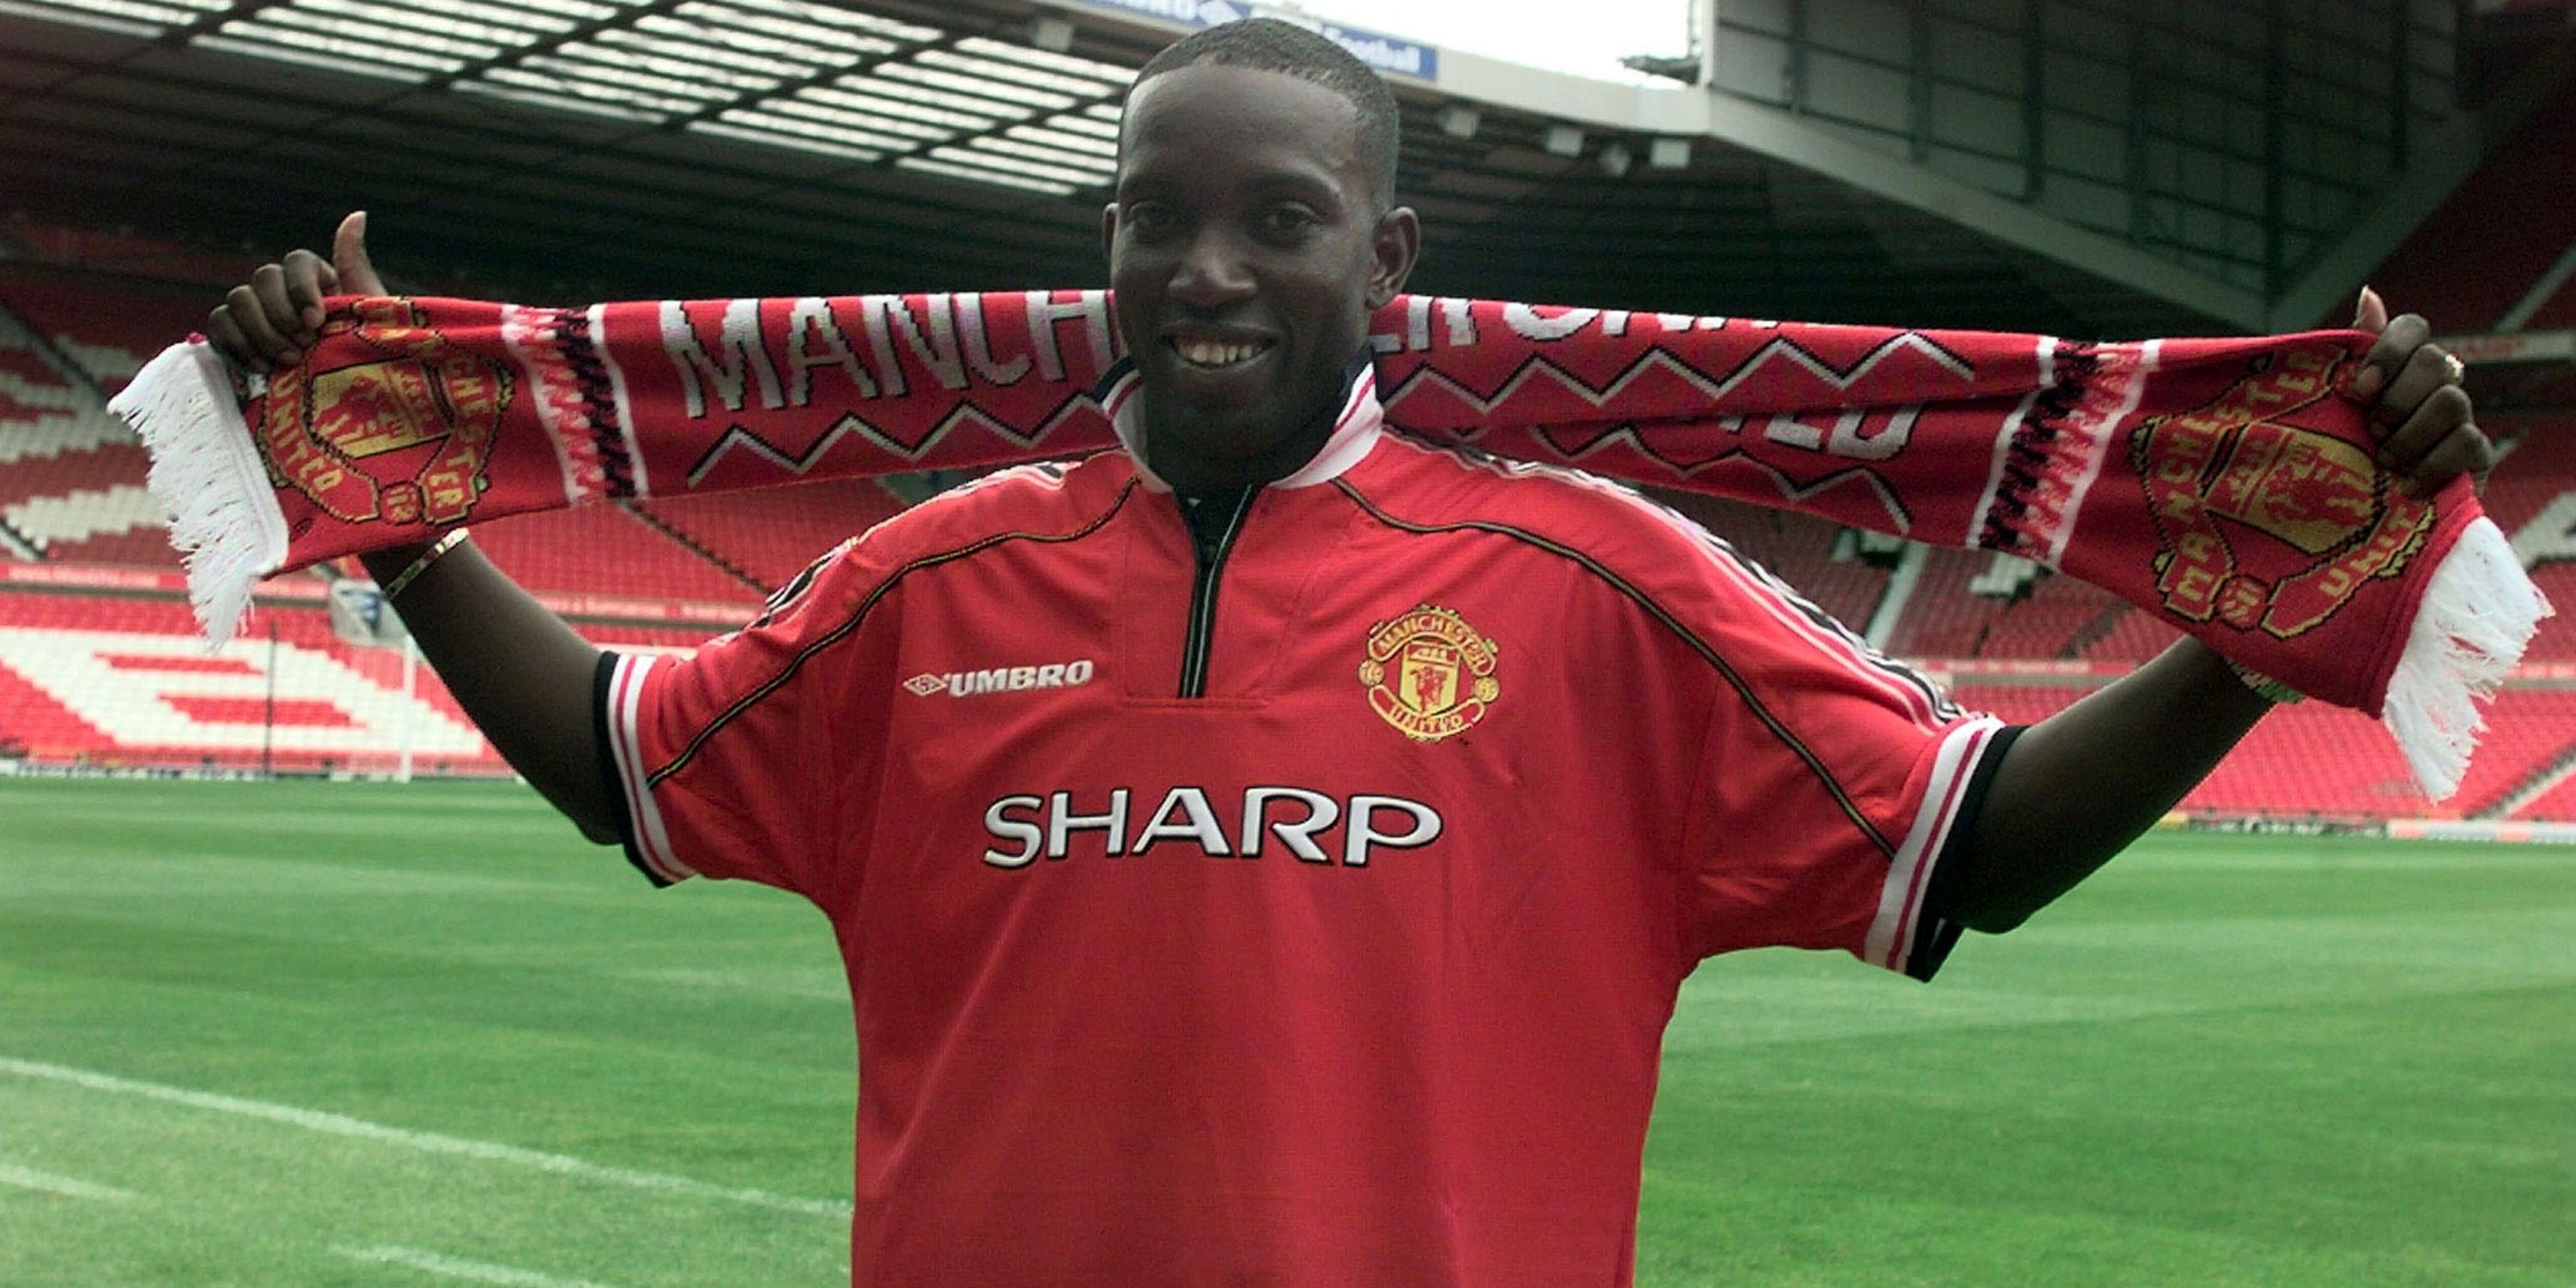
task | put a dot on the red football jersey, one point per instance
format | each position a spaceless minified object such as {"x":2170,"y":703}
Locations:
{"x":1315,"y":922}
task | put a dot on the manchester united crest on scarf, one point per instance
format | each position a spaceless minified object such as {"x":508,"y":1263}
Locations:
{"x":2333,"y":520}
{"x":402,"y":392}
{"x":1429,"y":673}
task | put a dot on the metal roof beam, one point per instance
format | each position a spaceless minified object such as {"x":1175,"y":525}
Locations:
{"x":2439,"y":164}
{"x":1783,"y":137}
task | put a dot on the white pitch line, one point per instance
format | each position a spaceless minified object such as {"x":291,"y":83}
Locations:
{"x":481,"y":1272}
{"x":426,"y":1142}
{"x":28,"y":1178}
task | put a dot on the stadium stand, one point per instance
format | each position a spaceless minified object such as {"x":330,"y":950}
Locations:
{"x":107,"y":330}
{"x":1804,"y":551}
{"x":606,"y":550}
{"x":2533,"y":497}
{"x":2522,"y":186}
{"x":73,"y":490}
{"x":2312,"y":760}
{"x":2056,"y":620}
{"x":767,"y":537}
{"x":2528,"y":732}
{"x":2557,"y":805}
{"x":114,"y":680}
{"x":1941,"y":618}
{"x":2276,"y":771}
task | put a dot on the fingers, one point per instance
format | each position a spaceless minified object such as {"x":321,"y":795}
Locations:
{"x":226,"y":335}
{"x":2465,"y":451}
{"x":2424,"y":422}
{"x":2397,"y":342}
{"x":268,"y":286}
{"x":349,"y":256}
{"x":2429,"y":426}
{"x":2428,"y":368}
{"x":264,"y":347}
{"x":308,"y":279}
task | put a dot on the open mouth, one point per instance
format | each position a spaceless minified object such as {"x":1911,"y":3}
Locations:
{"x":1216,"y":355}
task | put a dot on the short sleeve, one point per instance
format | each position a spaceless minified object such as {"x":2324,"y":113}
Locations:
{"x":736,"y":761}
{"x":1831,"y":783}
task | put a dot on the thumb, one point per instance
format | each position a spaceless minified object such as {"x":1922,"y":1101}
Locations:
{"x":2370,"y":313}
{"x":349,"y":257}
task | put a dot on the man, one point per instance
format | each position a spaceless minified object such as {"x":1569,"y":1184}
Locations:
{"x":1313,"y":913}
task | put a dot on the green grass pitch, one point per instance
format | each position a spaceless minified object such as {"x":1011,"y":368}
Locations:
{"x":315,"y":1034}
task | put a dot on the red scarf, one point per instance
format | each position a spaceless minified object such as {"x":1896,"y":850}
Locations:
{"x":2227,"y":486}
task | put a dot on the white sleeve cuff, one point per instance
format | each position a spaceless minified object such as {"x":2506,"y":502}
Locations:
{"x":648,"y":842}
{"x":1900,"y":933}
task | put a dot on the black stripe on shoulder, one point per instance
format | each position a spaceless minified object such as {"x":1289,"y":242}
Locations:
{"x":859,"y":615}
{"x":1866,"y":653}
{"x":1725,"y":670}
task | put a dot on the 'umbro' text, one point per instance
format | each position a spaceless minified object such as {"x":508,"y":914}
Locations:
{"x":1003,"y":679}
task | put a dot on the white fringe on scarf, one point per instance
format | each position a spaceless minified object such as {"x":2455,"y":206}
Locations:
{"x":207,"y":473}
{"x":2479,"y":612}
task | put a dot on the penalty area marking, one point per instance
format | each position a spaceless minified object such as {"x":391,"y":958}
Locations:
{"x":331,"y":1124}
{"x":28,"y":1178}
{"x":481,"y":1272}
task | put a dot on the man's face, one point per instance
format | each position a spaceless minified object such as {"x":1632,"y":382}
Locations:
{"x":1247,"y":252}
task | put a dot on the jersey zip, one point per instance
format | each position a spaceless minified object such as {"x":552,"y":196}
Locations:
{"x":1211,"y":550}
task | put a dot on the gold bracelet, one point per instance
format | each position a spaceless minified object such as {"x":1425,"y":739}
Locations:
{"x":437,"y":550}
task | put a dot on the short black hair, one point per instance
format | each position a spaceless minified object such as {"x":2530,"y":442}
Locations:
{"x":1270,"y":45}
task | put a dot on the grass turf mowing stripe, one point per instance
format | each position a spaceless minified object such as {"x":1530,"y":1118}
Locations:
{"x":28,"y":1178}
{"x":429,"y":1142}
{"x":481,"y":1272}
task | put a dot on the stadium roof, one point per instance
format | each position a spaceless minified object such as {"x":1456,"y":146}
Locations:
{"x":776,"y":146}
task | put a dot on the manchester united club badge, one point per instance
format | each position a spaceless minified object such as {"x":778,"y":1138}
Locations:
{"x":2308,"y":522}
{"x":1429,"y":673}
{"x":417,"y":395}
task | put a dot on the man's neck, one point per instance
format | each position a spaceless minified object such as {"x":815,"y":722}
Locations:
{"x":1193,"y":474}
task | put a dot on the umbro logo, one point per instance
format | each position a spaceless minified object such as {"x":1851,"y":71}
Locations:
{"x":1001,"y":679}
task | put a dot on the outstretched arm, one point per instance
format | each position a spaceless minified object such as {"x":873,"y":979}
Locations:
{"x":522,"y":674}
{"x":2075,"y":789}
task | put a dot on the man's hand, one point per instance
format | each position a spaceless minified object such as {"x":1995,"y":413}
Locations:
{"x":269,"y":321}
{"x":2426,"y":430}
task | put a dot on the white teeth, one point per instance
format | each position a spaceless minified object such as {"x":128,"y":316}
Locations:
{"x":1214,"y":353}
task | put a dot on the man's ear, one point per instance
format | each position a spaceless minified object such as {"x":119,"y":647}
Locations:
{"x":1108,"y":229}
{"x":1397,"y":243}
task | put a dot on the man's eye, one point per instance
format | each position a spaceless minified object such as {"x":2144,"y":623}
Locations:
{"x":1149,"y":217}
{"x":1289,"y":219}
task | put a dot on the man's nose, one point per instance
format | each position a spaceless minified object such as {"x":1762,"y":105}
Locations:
{"x":1212,"y":272}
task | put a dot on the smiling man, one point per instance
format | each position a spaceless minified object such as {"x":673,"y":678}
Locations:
{"x":1255,"y":231}
{"x":1269,"y":854}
